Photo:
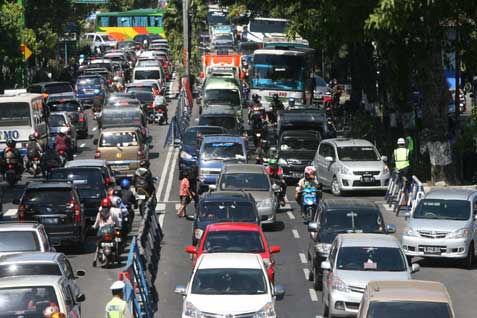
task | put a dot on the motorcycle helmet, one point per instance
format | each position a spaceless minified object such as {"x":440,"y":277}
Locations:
{"x":309,"y":170}
{"x":273,"y":162}
{"x":125,"y":184}
{"x":275,"y":98}
{"x":11,"y":143}
{"x":36,"y":134}
{"x":106,"y":203}
{"x":291,"y":102}
{"x":144,"y":164}
{"x":255,"y":98}
{"x":31,"y":138}
{"x":116,"y":201}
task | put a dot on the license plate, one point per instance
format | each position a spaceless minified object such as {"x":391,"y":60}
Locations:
{"x":117,"y":239}
{"x":141,"y":197}
{"x":120,"y":167}
{"x":432,"y":249}
{"x":107,"y":244}
{"x":50,"y":220}
{"x":367,"y":179}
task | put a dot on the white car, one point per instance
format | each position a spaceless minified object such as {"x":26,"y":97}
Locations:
{"x":229,"y":285}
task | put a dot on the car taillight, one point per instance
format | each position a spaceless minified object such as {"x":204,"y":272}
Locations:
{"x":120,"y":74}
{"x":150,"y":106}
{"x":10,"y":166}
{"x":110,"y":81}
{"x":21,"y":212}
{"x":107,"y":237}
{"x":35,"y":158}
{"x":107,"y":180}
{"x":97,"y":155}
{"x":140,"y":154}
{"x":61,"y":152}
{"x":117,"y":233}
{"x":77,"y":216}
{"x":81,"y":117}
{"x":159,"y":110}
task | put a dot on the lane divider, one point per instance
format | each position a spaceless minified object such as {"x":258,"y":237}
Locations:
{"x":303,"y":258}
{"x":164,"y":173}
{"x":295,"y":234}
{"x":291,"y":215}
{"x":171,"y":175}
{"x":313,"y":294}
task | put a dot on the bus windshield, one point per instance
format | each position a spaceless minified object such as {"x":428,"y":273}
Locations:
{"x":268,"y":26}
{"x":15,"y":114}
{"x":286,"y":72}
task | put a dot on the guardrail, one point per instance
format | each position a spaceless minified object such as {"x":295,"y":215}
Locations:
{"x":403,"y":194}
{"x":181,"y":119}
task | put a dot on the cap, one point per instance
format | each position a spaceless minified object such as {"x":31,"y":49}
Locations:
{"x":401,"y":141}
{"x":117,"y":285}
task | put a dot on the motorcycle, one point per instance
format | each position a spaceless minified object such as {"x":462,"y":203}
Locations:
{"x":34,"y":166}
{"x":107,"y":248}
{"x":63,"y":158}
{"x":160,"y":117}
{"x":11,"y":175}
{"x":309,"y":203}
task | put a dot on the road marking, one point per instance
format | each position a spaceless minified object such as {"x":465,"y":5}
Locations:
{"x":178,"y":205}
{"x":313,"y":294}
{"x":291,"y":215}
{"x":164,"y":169}
{"x":75,"y":155}
{"x":303,"y":258}
{"x":82,"y":145}
{"x":160,"y":207}
{"x":10,"y":213}
{"x":94,"y":128}
{"x":295,"y":234}
{"x":307,"y":273}
{"x":161,"y":220}
{"x":171,"y":175}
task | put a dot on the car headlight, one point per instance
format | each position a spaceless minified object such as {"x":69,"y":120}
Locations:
{"x":266,"y":311}
{"x":385,"y":169}
{"x":198,"y":233}
{"x":409,"y":231}
{"x":339,"y":285}
{"x":191,"y":311}
{"x":462,"y":233}
{"x":323,"y":248}
{"x":344,"y":170}
{"x":97,"y":91}
{"x":184,"y":155}
{"x":264,"y":203}
{"x":282,"y":162}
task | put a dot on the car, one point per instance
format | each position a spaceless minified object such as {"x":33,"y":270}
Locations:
{"x":409,"y":298}
{"x":214,"y":152}
{"x":340,"y":216}
{"x":101,"y":40}
{"x":62,"y":122}
{"x":95,"y":163}
{"x":92,"y":90}
{"x":145,"y":86}
{"x":443,"y":226}
{"x":148,"y":73}
{"x":91,"y":186}
{"x":354,"y":260}
{"x":126,"y":45}
{"x":33,"y":263}
{"x":123,"y":148}
{"x":229,"y":285}
{"x":57,"y":206}
{"x":121,"y":115}
{"x":23,"y":237}
{"x":252,"y":179}
{"x":296,"y":149}
{"x":65,"y":103}
{"x":29,"y":296}
{"x":236,"y":238}
{"x":321,"y":89}
{"x":222,"y":116}
{"x":345,"y":164}
{"x":46,"y":88}
{"x":224,"y":206}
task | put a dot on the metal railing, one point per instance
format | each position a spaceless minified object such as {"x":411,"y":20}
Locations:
{"x":181,"y":119}
{"x":403,"y":194}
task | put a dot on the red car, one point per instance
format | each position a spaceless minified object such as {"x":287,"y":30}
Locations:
{"x":235,"y":238}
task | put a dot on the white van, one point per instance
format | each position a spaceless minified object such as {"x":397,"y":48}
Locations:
{"x":148,"y":73}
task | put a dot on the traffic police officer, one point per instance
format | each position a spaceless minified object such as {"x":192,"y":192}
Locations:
{"x":401,"y":158}
{"x":117,"y":307}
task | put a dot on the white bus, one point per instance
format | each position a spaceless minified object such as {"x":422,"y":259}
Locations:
{"x":259,"y":28}
{"x":20,"y":116}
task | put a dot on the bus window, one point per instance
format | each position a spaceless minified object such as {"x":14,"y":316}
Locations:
{"x":104,"y":21}
{"x":125,"y":21}
{"x":155,"y":21}
{"x":140,"y":21}
{"x":15,"y":114}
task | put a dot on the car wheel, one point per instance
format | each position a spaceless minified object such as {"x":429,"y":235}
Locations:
{"x":469,"y":260}
{"x":335,"y":187}
{"x":317,"y":279}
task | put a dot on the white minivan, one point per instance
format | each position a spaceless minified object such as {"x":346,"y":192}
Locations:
{"x":148,"y":73}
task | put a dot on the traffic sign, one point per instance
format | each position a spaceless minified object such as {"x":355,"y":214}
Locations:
{"x":25,"y":51}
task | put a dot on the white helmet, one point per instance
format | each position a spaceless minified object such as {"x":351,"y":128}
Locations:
{"x":401,"y":141}
{"x":116,"y":201}
{"x":117,"y":285}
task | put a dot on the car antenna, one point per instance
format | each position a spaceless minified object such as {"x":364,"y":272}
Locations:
{"x":352,"y":215}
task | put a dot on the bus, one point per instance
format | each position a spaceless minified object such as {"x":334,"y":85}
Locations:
{"x":280,"y":72}
{"x":259,"y":28}
{"x":126,"y":25}
{"x":283,"y":42}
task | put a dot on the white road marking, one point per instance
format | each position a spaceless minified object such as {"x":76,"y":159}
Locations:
{"x":164,"y":173}
{"x":171,"y":175}
{"x":307,"y":273}
{"x":161,"y":220}
{"x":291,"y":215}
{"x":94,"y":128}
{"x":10,"y":213}
{"x":313,"y":294}
{"x":82,"y":145}
{"x":303,"y":258}
{"x":295,"y":234}
{"x":160,"y":207}
{"x":75,"y":155}
{"x":178,"y":205}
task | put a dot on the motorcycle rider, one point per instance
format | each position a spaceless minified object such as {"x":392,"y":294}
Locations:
{"x":275,"y":173}
{"x":127,"y":195}
{"x":62,"y":142}
{"x":143,"y":178}
{"x":13,"y":156}
{"x":276,"y":106}
{"x":50,"y":159}
{"x":308,"y":181}
{"x":33,"y":149}
{"x":104,"y":222}
{"x":263,"y":151}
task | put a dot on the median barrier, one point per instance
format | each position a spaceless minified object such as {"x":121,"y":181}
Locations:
{"x":403,"y":194}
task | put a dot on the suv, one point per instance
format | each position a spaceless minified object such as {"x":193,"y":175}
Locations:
{"x":101,"y":40}
{"x":57,"y":206}
{"x":23,"y":237}
{"x":223,"y":116}
{"x":340,"y":216}
{"x":73,"y":108}
{"x":350,"y":164}
{"x":224,"y":206}
{"x":443,"y":225}
{"x":95,"y":163}
{"x":92,"y":90}
{"x":46,"y":88}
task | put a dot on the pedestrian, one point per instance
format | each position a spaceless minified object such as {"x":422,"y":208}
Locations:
{"x":401,"y":157}
{"x":118,"y":307}
{"x":193,"y":175}
{"x":185,"y":194}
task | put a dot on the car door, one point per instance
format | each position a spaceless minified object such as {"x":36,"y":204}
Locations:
{"x":73,"y":309}
{"x":323,"y":166}
{"x":327,"y":273}
{"x":70,"y":276}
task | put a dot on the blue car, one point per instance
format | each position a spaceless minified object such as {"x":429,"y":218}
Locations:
{"x":215,"y":152}
{"x":92,"y":91}
{"x":190,"y":144}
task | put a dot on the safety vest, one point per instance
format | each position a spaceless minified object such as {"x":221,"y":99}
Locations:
{"x":401,"y":158}
{"x":410,"y":144}
{"x":116,"y":308}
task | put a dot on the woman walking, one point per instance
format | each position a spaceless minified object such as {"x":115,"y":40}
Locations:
{"x":185,"y":194}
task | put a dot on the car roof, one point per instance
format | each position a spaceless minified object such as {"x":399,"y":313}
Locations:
{"x":243,"y":168}
{"x":49,"y":83}
{"x":233,"y":226}
{"x":368,"y":239}
{"x":86,"y":163}
{"x":300,"y":133}
{"x":119,"y":129}
{"x":77,"y":169}
{"x":30,"y":280}
{"x":221,"y":138}
{"x":30,"y":257}
{"x":17,"y":226}
{"x":223,"y":260}
{"x":204,"y":127}
{"x":219,"y":83}
{"x":348,"y":142}
{"x":49,"y":185}
{"x":349,"y":203}
{"x":226,"y":196}
{"x":219,"y":110}
{"x":450,"y":194}
{"x":408,"y":290}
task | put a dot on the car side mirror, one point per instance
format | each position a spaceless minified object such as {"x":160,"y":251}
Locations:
{"x":191,"y":249}
{"x":384,"y":158}
{"x":275,"y":249}
{"x":390,"y":228}
{"x":80,"y":298}
{"x":415,"y":268}
{"x":16,"y":201}
{"x":329,"y":159}
{"x":177,"y":143}
{"x":326,"y":265}
{"x":212,"y":187}
{"x":313,"y":227}
{"x":80,"y":273}
{"x":180,"y":289}
{"x":279,"y":291}
{"x":190,"y":217}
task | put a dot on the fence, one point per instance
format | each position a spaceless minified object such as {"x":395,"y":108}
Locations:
{"x":181,"y":119}
{"x":403,"y":194}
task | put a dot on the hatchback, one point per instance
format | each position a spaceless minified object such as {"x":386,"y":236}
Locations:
{"x":61,"y":122}
{"x":75,"y":111}
{"x":23,"y":237}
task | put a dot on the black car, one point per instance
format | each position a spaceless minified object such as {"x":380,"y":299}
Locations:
{"x":335,"y":217}
{"x":47,"y":88}
{"x":296,"y":149}
{"x":57,"y":206}
{"x":222,"y":116}
{"x":224,"y":206}
{"x":90,"y":183}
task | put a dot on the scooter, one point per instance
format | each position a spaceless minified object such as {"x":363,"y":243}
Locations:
{"x":11,"y":175}
{"x":309,"y":203}
{"x":107,"y":247}
{"x":34,"y":166}
{"x":160,"y":117}
{"x":63,"y":158}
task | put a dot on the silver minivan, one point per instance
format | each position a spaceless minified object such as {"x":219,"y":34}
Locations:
{"x":443,"y":225}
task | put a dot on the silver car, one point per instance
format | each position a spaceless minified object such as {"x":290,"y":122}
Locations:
{"x":23,"y":237}
{"x":443,"y":225}
{"x":252,"y":179}
{"x":350,"y":164}
{"x":354,"y":260}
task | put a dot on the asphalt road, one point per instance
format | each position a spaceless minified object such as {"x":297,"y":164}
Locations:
{"x":290,"y":233}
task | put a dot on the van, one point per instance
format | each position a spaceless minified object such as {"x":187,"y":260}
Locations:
{"x":148,"y":73}
{"x":222,"y":91}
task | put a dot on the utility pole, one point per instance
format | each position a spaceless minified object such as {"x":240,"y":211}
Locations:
{"x":24,"y":68}
{"x":185,"y":26}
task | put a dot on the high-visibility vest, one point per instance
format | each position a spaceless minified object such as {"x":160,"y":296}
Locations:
{"x":401,"y":158}
{"x":116,"y":308}
{"x":410,"y":144}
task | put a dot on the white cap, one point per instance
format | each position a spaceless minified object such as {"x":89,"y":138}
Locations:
{"x":401,"y":141}
{"x":117,"y":285}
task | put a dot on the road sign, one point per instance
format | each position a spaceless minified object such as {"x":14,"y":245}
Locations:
{"x":67,"y":37}
{"x":25,"y":51}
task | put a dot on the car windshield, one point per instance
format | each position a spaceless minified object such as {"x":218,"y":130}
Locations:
{"x":69,"y":106}
{"x":343,"y":221}
{"x":358,"y":153}
{"x":58,"y":88}
{"x":18,"y":241}
{"x":368,"y":258}
{"x":89,"y":182}
{"x":143,"y":75}
{"x":118,"y":139}
{"x":443,"y":209}
{"x":89,"y":82}
{"x":190,"y":136}
{"x":14,"y":114}
{"x":227,"y":122}
{"x":408,"y":309}
{"x":222,"y":96}
{"x":222,"y":151}
{"x":26,"y":302}
{"x":229,"y":281}
{"x":145,"y":96}
{"x":233,"y":242}
{"x":228,"y":211}
{"x":27,"y":269}
{"x":245,"y":181}
{"x":56,"y":120}
{"x":299,"y":143}
{"x":48,"y":196}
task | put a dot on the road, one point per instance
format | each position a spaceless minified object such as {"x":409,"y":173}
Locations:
{"x":175,"y":266}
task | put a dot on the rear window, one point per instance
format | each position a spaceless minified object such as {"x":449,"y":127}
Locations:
{"x":56,"y":120}
{"x":64,"y":106}
{"x":27,"y":302}
{"x":145,"y":97}
{"x":58,"y":88}
{"x":87,"y":181}
{"x":89,"y":81}
{"x":228,"y":211}
{"x":225,"y":122}
{"x":118,"y":139}
{"x":48,"y":196}
{"x":142,"y":75}
{"x":18,"y":241}
{"x":8,"y":270}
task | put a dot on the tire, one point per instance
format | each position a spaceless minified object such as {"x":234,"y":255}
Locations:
{"x":317,"y":279}
{"x":335,"y":187}
{"x":468,"y":262}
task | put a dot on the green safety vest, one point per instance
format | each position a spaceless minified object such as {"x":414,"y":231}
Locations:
{"x":116,"y":308}
{"x":401,"y":158}
{"x":410,"y":144}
